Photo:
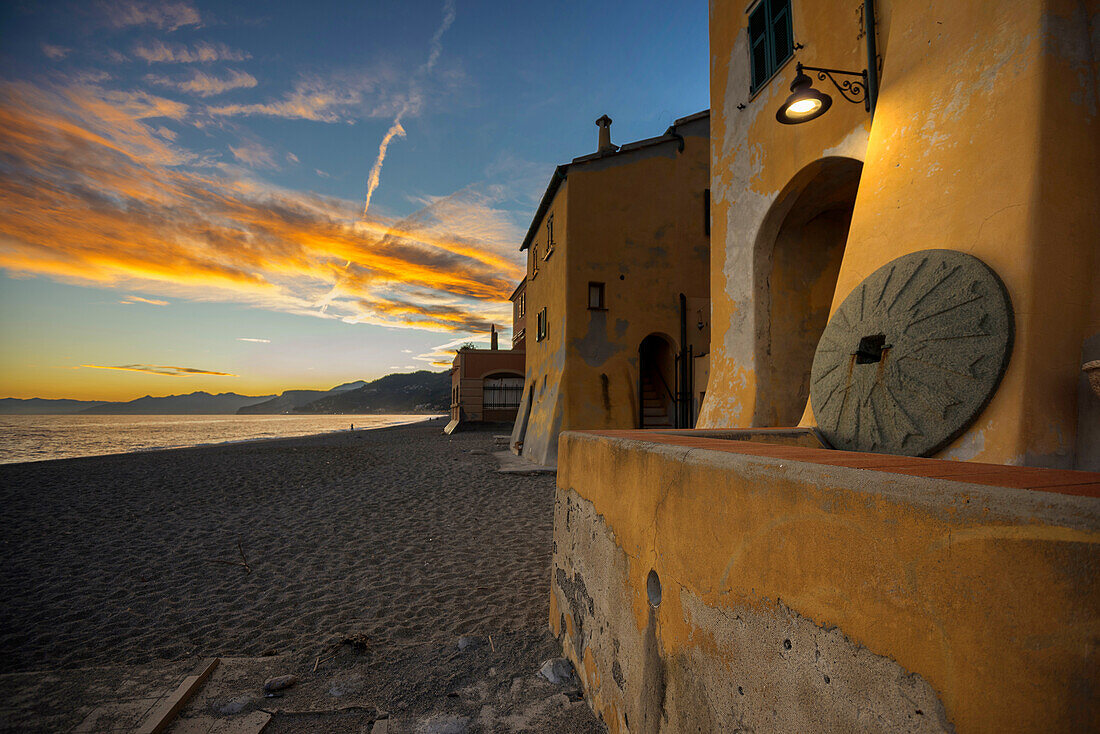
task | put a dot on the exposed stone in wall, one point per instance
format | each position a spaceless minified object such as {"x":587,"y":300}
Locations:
{"x":762,"y":668}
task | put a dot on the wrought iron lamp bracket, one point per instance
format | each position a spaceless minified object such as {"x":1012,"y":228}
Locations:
{"x":853,"y":90}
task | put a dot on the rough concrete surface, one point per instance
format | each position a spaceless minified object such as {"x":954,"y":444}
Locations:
{"x":761,"y":668}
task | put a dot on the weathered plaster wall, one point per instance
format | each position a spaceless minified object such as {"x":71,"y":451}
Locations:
{"x":803,"y":597}
{"x":638,"y":227}
{"x":635,"y":222}
{"x":984,"y":141}
{"x":759,"y":168}
{"x":538,"y":425}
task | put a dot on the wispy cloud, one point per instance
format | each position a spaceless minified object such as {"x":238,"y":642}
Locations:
{"x":55,"y":53}
{"x":167,"y":16}
{"x":411,"y":102}
{"x":159,"y":52}
{"x":207,"y":85}
{"x":316,"y":100}
{"x":254,"y":154}
{"x":157,"y":369}
{"x":250,"y":339}
{"x":93,"y":194}
{"x":128,"y":300}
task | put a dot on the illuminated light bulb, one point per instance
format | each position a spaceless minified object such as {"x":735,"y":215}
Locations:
{"x":804,"y":106}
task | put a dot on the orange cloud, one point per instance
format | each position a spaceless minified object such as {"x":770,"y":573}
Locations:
{"x":94,"y":194}
{"x":138,"y":299}
{"x":165,"y":15}
{"x":156,"y":369}
{"x":207,"y":85}
{"x":309,"y":100}
{"x":159,"y":52}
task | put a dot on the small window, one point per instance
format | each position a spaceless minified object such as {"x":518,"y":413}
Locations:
{"x":543,"y":327}
{"x":534,"y":260}
{"x":771,"y":39}
{"x":706,"y":212}
{"x":595,"y":296}
{"x":549,"y":237}
{"x":521,"y":305}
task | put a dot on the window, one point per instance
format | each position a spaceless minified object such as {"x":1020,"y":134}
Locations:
{"x":771,"y":39}
{"x":521,"y":305}
{"x":595,"y":296}
{"x":706,"y":212}
{"x":534,"y":260}
{"x":549,"y":237}
{"x":543,"y":328}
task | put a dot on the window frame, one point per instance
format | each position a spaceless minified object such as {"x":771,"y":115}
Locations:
{"x":774,"y":65}
{"x":549,"y":237}
{"x":602,"y":299}
{"x":542,"y":329}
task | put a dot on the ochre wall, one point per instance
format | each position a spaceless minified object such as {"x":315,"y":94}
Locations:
{"x":985,"y":140}
{"x":542,"y":406}
{"x":635,"y":222}
{"x":638,"y":227}
{"x":759,"y":169}
{"x":802,"y":593}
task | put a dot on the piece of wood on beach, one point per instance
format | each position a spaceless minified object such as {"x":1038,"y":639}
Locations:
{"x":162,"y":714}
{"x":253,"y":723}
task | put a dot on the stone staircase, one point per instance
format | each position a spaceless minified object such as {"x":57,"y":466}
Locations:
{"x":654,"y":407}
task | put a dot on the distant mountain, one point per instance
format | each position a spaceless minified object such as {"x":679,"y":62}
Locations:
{"x":416,"y":392}
{"x":291,"y":400}
{"x":41,"y":406}
{"x":197,"y":403}
{"x":413,"y":392}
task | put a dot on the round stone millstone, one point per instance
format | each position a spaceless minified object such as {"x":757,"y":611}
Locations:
{"x":913,"y":355}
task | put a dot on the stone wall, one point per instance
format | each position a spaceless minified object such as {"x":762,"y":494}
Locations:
{"x":708,"y":585}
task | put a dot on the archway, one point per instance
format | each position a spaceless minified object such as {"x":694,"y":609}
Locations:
{"x":656,"y":383}
{"x":501,"y":392}
{"x":798,"y":259}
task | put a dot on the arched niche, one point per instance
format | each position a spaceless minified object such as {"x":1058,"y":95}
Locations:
{"x":797,"y":258}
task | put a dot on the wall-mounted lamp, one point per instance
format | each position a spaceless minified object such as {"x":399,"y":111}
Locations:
{"x":700,"y":323}
{"x":807,"y":103}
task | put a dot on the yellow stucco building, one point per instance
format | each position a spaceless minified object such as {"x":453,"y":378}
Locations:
{"x":617,"y":289}
{"x":920,"y":287}
{"x":984,"y":140}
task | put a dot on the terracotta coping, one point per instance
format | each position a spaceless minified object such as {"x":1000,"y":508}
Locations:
{"x":1063,"y":481}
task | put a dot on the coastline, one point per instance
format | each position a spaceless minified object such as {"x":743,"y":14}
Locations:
{"x":40,"y":432}
{"x":399,"y":539}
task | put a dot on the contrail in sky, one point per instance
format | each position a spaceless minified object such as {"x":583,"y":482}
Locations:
{"x":396,"y":130}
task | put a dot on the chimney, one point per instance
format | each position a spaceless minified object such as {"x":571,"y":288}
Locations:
{"x":606,"y":146}
{"x":493,"y":336}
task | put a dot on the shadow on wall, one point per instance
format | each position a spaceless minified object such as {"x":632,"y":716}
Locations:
{"x":798,"y":254}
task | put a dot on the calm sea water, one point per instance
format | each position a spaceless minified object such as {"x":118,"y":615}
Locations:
{"x":37,"y":437}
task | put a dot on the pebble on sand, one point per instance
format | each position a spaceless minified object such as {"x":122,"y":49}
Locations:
{"x":557,"y":670}
{"x":279,"y":683}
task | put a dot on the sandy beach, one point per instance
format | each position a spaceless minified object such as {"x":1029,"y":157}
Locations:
{"x":373,"y":552}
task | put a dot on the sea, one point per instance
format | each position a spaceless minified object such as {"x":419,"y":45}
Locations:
{"x":39,"y":437}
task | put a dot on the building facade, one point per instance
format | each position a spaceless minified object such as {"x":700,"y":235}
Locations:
{"x":617,"y":289}
{"x":929,"y":272}
{"x":960,"y":154}
{"x":486,"y":384}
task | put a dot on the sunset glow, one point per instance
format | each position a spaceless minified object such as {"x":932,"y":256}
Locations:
{"x":170,"y":160}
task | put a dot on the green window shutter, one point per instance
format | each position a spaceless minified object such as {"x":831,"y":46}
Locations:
{"x":758,"y":44}
{"x":780,"y":26}
{"x":771,"y":39}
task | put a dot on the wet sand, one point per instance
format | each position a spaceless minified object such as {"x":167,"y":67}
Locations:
{"x":402,"y":538}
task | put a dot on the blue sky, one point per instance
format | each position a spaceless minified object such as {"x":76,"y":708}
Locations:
{"x":185,"y":181}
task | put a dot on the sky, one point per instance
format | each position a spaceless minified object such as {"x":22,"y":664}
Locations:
{"x":252,"y":197}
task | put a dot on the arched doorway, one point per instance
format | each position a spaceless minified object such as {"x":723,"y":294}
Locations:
{"x":500,"y":396}
{"x":798,"y":259}
{"x":656,"y":383}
